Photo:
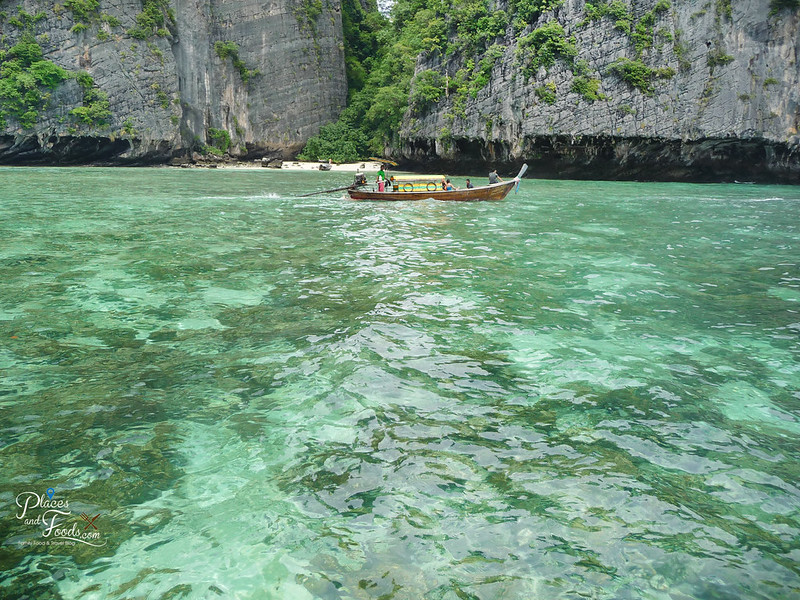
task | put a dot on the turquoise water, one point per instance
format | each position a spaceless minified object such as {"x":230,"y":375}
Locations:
{"x":589,"y":390}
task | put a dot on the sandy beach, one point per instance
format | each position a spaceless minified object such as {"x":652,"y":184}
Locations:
{"x":364,"y":166}
{"x":296,"y":165}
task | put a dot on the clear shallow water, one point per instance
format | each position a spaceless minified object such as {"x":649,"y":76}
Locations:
{"x":590,"y":390}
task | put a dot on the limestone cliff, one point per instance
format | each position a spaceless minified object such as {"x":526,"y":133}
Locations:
{"x":245,"y":76}
{"x":702,"y":90}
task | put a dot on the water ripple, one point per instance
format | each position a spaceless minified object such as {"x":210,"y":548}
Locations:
{"x":589,"y":390}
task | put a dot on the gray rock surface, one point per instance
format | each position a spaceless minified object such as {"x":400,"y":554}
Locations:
{"x":734,"y":118}
{"x":167,"y":91}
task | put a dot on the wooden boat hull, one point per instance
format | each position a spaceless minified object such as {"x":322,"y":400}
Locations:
{"x":496,"y":191}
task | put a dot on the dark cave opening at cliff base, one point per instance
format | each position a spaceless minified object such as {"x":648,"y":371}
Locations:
{"x":74,"y":150}
{"x":610,"y":158}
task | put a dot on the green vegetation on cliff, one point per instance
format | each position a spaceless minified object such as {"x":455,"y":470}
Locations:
{"x":154,"y":19}
{"x":362,"y":42}
{"x":638,"y":74}
{"x":230,"y":50}
{"x":220,"y":142}
{"x":466,"y":38}
{"x":543,"y":46}
{"x":27,"y":81}
{"x":778,"y":5}
{"x":83,"y":12}
{"x":307,"y":13}
{"x":95,"y":109}
{"x":377,"y":94}
{"x":437,"y":57}
{"x":381,"y":56}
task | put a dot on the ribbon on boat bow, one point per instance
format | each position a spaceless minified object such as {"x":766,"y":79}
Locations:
{"x":519,"y":176}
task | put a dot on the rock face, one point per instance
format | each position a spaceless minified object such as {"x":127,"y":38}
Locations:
{"x":253,"y":77}
{"x":724,"y":101}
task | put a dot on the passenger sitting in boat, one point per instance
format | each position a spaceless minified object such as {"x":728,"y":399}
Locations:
{"x":449,"y":186}
{"x":494,"y":177}
{"x":469,"y":185}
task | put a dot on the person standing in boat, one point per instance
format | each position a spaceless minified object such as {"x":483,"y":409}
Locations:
{"x":494,"y":177}
{"x":381,"y":179}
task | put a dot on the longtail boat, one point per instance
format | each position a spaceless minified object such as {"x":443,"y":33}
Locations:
{"x":430,"y":186}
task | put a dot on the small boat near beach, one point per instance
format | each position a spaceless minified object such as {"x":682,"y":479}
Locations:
{"x":423,"y":187}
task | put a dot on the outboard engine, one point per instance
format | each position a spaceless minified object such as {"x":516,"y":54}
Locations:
{"x":360,"y":179}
